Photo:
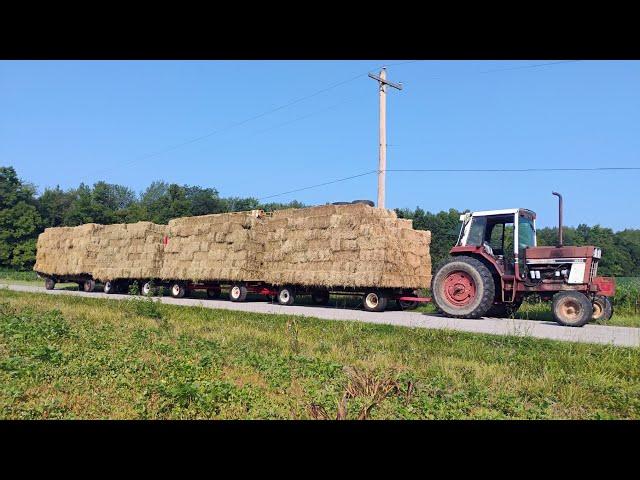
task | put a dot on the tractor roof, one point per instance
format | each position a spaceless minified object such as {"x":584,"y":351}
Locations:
{"x":506,"y":211}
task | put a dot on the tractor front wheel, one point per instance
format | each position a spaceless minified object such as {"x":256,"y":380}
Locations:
{"x":463,"y":288}
{"x":572,"y":309}
{"x":602,"y":308}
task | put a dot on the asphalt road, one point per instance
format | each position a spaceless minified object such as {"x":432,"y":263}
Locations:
{"x":619,"y":336}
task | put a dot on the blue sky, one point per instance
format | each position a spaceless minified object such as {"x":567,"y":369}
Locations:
{"x":63,"y":122}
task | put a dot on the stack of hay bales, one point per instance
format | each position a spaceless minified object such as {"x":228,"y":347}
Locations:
{"x":330,"y":246}
{"x":67,"y":250}
{"x":344,"y":246}
{"x":213,"y":247}
{"x":133,"y":250}
{"x":106,"y":252}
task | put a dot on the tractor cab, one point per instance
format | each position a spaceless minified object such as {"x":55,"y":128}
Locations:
{"x":503,"y":235}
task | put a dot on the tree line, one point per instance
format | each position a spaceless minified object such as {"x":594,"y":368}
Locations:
{"x":24,"y":215}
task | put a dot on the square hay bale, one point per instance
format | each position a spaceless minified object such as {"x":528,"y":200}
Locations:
{"x":211,"y":247}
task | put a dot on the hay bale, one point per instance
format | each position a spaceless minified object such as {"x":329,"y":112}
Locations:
{"x":219,"y":247}
{"x":67,"y":250}
{"x":344,"y":246}
{"x":105,"y":252}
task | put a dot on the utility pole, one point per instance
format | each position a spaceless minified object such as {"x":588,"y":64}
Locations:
{"x":382,"y":158}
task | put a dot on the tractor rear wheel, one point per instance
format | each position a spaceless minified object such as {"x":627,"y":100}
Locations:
{"x":572,"y":309}
{"x":463,"y":287}
{"x":602,"y":308}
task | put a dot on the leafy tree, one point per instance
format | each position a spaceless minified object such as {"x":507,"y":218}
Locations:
{"x":20,"y":221}
{"x":52,"y":205}
{"x":81,"y":209}
{"x":204,"y":201}
{"x":444,"y":227}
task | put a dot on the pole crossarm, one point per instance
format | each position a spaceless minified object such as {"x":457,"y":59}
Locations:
{"x":386,"y":82}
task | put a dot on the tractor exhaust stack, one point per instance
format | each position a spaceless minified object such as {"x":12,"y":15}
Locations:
{"x":560,"y":242}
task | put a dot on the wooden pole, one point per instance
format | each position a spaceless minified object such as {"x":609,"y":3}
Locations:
{"x":382,"y":156}
{"x":382,"y":151}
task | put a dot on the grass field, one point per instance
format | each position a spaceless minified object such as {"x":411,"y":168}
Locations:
{"x":75,"y":357}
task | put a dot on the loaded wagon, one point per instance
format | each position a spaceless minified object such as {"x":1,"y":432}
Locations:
{"x":344,"y":249}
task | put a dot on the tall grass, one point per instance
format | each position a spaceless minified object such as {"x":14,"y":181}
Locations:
{"x":21,"y":275}
{"x":627,"y":299}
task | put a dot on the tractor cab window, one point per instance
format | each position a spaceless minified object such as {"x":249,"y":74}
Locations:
{"x":477,"y":231}
{"x":496,"y":238}
{"x":526,"y":233}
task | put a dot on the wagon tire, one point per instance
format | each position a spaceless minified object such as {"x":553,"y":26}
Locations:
{"x":286,"y":295}
{"x":463,"y":287}
{"x":572,"y":309}
{"x":89,"y":286}
{"x":602,"y":308}
{"x":178,"y":290}
{"x":110,"y":287}
{"x":374,"y":301}
{"x":147,"y":288}
{"x":49,"y":283}
{"x":238,"y":293}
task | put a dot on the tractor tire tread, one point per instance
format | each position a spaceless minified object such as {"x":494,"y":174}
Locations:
{"x":488,"y":290}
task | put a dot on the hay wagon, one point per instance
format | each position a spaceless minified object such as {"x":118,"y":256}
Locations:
{"x":351,"y":249}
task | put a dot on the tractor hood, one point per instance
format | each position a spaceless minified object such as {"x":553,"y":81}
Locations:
{"x":533,"y":253}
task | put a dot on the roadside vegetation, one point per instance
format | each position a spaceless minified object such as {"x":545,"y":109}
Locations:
{"x":79,"y":357}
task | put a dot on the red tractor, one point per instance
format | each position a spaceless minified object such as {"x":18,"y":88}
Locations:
{"x":496,"y":263}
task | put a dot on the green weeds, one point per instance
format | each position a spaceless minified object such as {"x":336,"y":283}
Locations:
{"x":75,"y":357}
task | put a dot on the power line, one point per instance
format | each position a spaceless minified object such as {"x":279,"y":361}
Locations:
{"x":518,"y":67}
{"x":286,"y":105}
{"x":529,"y":66}
{"x":320,"y":184}
{"x":508,"y":170}
{"x":237,"y":124}
{"x":311,"y":114}
{"x":459,"y":170}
